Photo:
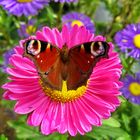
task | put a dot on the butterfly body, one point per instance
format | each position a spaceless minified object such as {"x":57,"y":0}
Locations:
{"x":73,"y":65}
{"x":64,"y":55}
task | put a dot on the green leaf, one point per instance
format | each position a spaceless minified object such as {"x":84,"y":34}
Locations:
{"x":126,"y":137}
{"x":135,"y":111}
{"x":2,"y":137}
{"x":126,"y":121}
{"x":106,"y":131}
{"x":22,"y":130}
{"x":26,"y":132}
{"x":111,"y":122}
{"x":80,"y":137}
{"x":122,"y":99}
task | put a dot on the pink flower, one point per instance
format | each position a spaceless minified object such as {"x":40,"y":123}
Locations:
{"x":78,"y":115}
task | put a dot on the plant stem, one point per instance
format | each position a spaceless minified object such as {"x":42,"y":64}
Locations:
{"x":129,"y":67}
{"x":69,"y":137}
{"x":60,"y":14}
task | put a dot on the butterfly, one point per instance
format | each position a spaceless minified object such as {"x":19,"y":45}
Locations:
{"x":73,"y":65}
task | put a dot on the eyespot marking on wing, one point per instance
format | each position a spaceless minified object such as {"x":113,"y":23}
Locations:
{"x":33,"y":47}
{"x":97,"y":48}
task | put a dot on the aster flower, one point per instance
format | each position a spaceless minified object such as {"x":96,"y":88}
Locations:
{"x":128,"y":40}
{"x":23,"y":7}
{"x":6,"y":57}
{"x":26,"y":30}
{"x":72,"y":111}
{"x":68,"y":1}
{"x":72,"y":18}
{"x":131,"y":88}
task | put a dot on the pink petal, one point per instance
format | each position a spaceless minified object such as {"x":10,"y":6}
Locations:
{"x":91,"y":116}
{"x":63,"y":124}
{"x":65,"y":35}
{"x":73,"y":39}
{"x":17,"y":60}
{"x":96,"y":99}
{"x":21,"y":73}
{"x":75,"y":117}
{"x":101,"y":111}
{"x":82,"y":118}
{"x":46,"y":123}
{"x":15,"y":88}
{"x":19,"y":50}
{"x":19,"y":96}
{"x":27,"y":106}
{"x":70,"y":125}
{"x":37,"y":116}
{"x":56,"y":116}
{"x":49,"y":35}
{"x":6,"y":95}
{"x":40,"y":36}
{"x":58,"y":38}
{"x":99,"y":38}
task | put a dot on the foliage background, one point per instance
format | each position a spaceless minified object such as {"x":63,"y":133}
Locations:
{"x":109,"y":16}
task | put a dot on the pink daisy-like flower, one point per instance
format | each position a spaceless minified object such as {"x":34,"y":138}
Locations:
{"x":77,"y":110}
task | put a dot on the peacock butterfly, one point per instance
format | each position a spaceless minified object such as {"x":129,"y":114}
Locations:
{"x":73,"y":65}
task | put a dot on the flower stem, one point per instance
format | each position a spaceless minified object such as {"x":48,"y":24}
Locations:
{"x":60,"y":14}
{"x":129,"y":66}
{"x":69,"y":137}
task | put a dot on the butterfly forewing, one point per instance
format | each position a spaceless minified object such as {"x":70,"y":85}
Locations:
{"x":42,"y":53}
{"x":83,"y":58}
{"x":87,"y":54}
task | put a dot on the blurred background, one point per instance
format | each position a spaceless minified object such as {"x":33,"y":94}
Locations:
{"x":109,"y":18}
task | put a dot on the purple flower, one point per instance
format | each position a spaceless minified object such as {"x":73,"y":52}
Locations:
{"x":28,"y":29}
{"x":23,"y":7}
{"x":6,"y":57}
{"x":68,"y":1}
{"x":131,"y":88}
{"x":73,"y":18}
{"x":128,"y":40}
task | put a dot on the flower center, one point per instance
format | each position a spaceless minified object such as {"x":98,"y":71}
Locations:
{"x":22,"y":1}
{"x":77,"y":22}
{"x":134,"y":88}
{"x":64,"y":95}
{"x":30,"y":29}
{"x":136,"y":40}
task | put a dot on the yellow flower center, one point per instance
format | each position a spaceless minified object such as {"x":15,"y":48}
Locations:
{"x":22,"y":1}
{"x":64,"y":95}
{"x":137,"y":40}
{"x":134,"y":88}
{"x":30,"y":29}
{"x":77,"y":22}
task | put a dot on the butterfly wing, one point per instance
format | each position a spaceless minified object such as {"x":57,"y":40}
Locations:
{"x":83,"y":58}
{"x":46,"y":58}
{"x":42,"y":53}
{"x":73,"y":66}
